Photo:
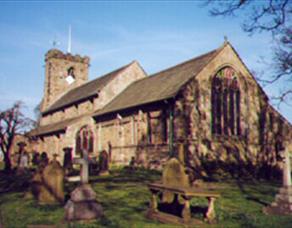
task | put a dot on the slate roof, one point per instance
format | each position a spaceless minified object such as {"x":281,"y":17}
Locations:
{"x":85,"y":91}
{"x":52,"y":128}
{"x":160,"y":86}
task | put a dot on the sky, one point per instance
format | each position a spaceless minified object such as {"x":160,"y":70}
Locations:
{"x":158,"y":34}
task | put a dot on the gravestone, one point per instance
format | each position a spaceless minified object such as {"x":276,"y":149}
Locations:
{"x":283,"y":200}
{"x":174,"y":175}
{"x":44,"y":160}
{"x":82,"y":204}
{"x":35,"y":158}
{"x":68,"y":166}
{"x":177,"y":192}
{"x":103,"y":163}
{"x":22,"y":158}
{"x":48,"y":183}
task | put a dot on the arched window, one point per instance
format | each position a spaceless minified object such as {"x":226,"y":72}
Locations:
{"x":70,"y":72}
{"x":225,"y":103}
{"x":70,"y":78}
{"x":84,"y":139}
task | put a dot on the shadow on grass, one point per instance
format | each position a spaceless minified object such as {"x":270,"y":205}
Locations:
{"x":251,"y":191}
{"x":122,"y":176}
{"x":10,"y":182}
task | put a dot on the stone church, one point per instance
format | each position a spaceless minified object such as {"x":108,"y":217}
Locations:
{"x":211,"y":104}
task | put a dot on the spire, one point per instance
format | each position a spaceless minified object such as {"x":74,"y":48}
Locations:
{"x":69,"y":40}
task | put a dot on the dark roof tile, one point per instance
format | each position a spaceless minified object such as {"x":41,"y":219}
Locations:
{"x":84,"y":91}
{"x":160,"y":86}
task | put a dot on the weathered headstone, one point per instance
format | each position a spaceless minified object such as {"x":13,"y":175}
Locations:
{"x":177,"y":193}
{"x":68,"y":161}
{"x":44,"y":161}
{"x":23,"y":162}
{"x":22,"y":158}
{"x":103,"y":163}
{"x":35,"y":158}
{"x":109,"y":151}
{"x":283,"y":200}
{"x":82,"y":204}
{"x":174,"y":175}
{"x":48,"y":184}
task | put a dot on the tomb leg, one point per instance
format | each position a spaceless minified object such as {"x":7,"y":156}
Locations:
{"x":186,"y":213}
{"x":210,"y":214}
{"x":153,"y":201}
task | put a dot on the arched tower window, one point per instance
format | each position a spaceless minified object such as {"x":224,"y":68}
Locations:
{"x":84,"y":139}
{"x":225,"y":103}
{"x":70,"y":78}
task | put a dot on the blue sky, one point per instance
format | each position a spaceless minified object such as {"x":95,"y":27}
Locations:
{"x":157,"y":34}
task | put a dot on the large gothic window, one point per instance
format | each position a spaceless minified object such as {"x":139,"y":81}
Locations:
{"x":84,"y":139}
{"x":225,"y":103}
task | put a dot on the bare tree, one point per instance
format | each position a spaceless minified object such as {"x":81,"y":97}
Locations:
{"x":12,"y":122}
{"x":274,"y":17}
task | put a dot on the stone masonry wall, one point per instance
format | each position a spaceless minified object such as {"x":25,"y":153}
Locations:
{"x":116,"y":86}
{"x":192,"y":123}
{"x":57,"y":65}
{"x":129,"y":137}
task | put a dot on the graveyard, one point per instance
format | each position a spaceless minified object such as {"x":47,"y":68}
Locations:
{"x":124,"y":196}
{"x":128,"y":114}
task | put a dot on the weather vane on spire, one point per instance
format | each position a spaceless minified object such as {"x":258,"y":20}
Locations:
{"x":55,"y":42}
{"x":69,"y":40}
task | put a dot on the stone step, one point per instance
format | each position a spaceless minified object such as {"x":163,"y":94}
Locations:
{"x":283,"y":197}
{"x":286,"y":190}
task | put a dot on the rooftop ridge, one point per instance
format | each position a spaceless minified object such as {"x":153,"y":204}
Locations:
{"x":52,"y":107}
{"x":180,"y":64}
{"x":104,"y":75}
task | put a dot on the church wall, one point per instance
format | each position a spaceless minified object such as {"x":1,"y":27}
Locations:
{"x":192,"y":120}
{"x":118,"y":84}
{"x":57,"y":65}
{"x":55,"y":143}
{"x":44,"y":120}
{"x":85,"y":107}
{"x":71,"y":111}
{"x":129,"y":136}
{"x":139,"y":132}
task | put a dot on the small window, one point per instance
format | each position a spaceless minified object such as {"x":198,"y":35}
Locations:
{"x":70,"y":78}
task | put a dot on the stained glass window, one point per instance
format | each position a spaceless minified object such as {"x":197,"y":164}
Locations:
{"x":84,"y":140}
{"x":225,"y":103}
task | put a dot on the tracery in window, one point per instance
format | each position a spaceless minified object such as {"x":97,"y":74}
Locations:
{"x":225,"y":103}
{"x":84,"y":139}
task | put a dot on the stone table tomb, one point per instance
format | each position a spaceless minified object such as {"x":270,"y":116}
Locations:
{"x":174,"y":205}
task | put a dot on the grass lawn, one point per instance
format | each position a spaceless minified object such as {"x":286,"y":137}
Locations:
{"x":124,"y":197}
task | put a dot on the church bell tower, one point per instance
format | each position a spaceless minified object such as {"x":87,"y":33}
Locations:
{"x":63,"y":72}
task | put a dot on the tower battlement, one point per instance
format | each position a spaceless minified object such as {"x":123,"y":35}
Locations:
{"x":57,"y":54}
{"x":63,"y":72}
